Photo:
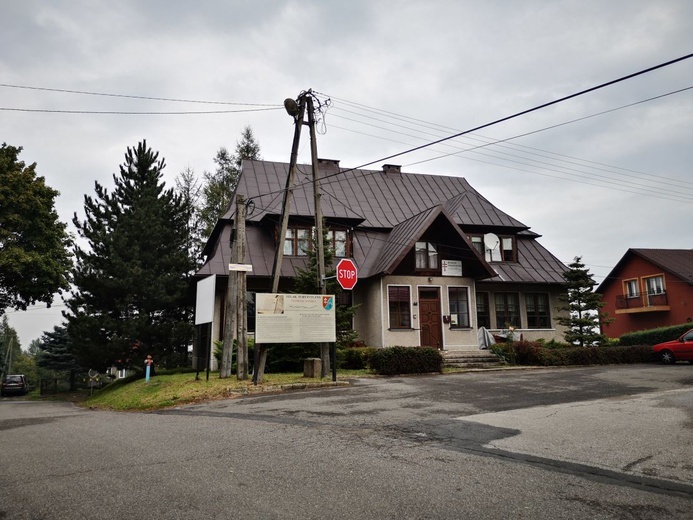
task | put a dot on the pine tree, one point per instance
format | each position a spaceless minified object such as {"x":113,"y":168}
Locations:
{"x":132,"y":295}
{"x":583,"y":307}
{"x":219,"y":187}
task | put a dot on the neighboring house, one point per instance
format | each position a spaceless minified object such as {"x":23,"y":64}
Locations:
{"x":648,"y":288}
{"x":436,"y":260}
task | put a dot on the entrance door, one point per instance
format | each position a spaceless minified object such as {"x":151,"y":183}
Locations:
{"x":429,"y":317}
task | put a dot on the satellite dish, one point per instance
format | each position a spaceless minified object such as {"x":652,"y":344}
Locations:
{"x":491,"y":241}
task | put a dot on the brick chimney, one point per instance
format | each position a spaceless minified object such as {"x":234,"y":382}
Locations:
{"x":328,"y":164}
{"x":392,"y":170}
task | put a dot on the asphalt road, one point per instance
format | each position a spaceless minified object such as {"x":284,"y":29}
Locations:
{"x":605,"y":442}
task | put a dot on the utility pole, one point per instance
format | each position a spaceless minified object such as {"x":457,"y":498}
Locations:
{"x":242,"y":303}
{"x":230,"y":310}
{"x":324,"y":347}
{"x":297,"y":111}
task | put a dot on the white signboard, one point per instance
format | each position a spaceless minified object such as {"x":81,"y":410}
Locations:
{"x":451,"y":267}
{"x":204,"y":302}
{"x":295,"y":318}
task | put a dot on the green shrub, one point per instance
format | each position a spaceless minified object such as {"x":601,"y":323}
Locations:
{"x":537,"y":354}
{"x":654,"y":336}
{"x":406,"y":360}
{"x":354,"y":358}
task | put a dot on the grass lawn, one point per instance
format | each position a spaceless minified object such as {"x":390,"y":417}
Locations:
{"x":175,"y":389}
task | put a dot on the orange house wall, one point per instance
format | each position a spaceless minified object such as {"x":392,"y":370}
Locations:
{"x":679,"y":296}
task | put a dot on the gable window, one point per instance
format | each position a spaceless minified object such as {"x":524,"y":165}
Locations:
{"x":655,"y":285}
{"x":478,"y":243}
{"x":631,"y":288}
{"x":483,"y":311}
{"x":459,"y":307}
{"x":399,"y":303}
{"x":538,"y":316}
{"x":656,"y":295}
{"x":507,"y":310}
{"x":297,"y":241}
{"x":426,"y":256}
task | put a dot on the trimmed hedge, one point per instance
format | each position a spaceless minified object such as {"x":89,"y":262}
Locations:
{"x":406,"y":360}
{"x":654,"y":336}
{"x":533,"y":353}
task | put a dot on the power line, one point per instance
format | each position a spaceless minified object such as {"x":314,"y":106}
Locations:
{"x":488,"y":141}
{"x":530,"y":110}
{"x":106,"y":112}
{"x":150,"y":98}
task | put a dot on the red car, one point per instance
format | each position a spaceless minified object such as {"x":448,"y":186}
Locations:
{"x":676,"y":350}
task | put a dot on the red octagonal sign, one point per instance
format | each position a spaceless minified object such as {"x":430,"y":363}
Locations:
{"x":347,"y":274}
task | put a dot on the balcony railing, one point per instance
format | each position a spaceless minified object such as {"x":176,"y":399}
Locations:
{"x":642,"y":301}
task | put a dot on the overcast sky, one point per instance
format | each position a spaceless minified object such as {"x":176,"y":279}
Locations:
{"x":399,"y":74}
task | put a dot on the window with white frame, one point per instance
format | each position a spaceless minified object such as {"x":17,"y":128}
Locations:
{"x":399,"y":304}
{"x":654,"y":285}
{"x":631,"y":288}
{"x":458,"y":298}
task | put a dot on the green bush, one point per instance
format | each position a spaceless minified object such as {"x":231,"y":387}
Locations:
{"x":654,"y":336}
{"x":534,"y":353}
{"x":354,"y":358}
{"x":406,"y":360}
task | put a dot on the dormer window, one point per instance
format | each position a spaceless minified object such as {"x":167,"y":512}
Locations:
{"x":501,"y":251}
{"x":426,"y":256}
{"x":299,"y":241}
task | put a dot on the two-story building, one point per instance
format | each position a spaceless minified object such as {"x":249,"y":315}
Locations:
{"x":436,"y":260}
{"x":648,"y":288}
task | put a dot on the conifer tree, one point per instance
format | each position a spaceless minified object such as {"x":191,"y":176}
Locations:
{"x":219,"y":187}
{"x":54,"y":353}
{"x":583,"y":307}
{"x":132,"y":295}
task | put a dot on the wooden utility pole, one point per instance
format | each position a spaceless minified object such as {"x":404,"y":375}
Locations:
{"x":324,"y":347}
{"x":230,"y":310}
{"x":242,"y":298}
{"x":260,"y":358}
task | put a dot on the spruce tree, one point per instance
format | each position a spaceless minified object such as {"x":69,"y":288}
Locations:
{"x":54,"y":353}
{"x":132,"y":292}
{"x":583,"y":307}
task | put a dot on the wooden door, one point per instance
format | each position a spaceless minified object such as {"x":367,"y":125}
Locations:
{"x":430,"y":317}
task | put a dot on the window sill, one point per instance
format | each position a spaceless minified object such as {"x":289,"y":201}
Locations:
{"x":400,"y":329}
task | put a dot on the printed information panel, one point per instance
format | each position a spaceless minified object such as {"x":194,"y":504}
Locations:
{"x":294,"y":318}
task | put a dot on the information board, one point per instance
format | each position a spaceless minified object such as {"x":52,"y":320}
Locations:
{"x":295,"y":318}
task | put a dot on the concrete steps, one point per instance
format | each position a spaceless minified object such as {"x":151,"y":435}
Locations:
{"x":470,"y":359}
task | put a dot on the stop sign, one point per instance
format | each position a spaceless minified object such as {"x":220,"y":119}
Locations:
{"x":347,"y":274}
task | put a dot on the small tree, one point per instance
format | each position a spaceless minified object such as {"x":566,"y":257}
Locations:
{"x":306,"y":282}
{"x":583,"y":306}
{"x":55,"y":355}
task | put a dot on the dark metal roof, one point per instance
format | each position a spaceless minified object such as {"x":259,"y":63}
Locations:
{"x":388,"y":210}
{"x":678,"y":262}
{"x":535,"y":264}
{"x":380,"y":200}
